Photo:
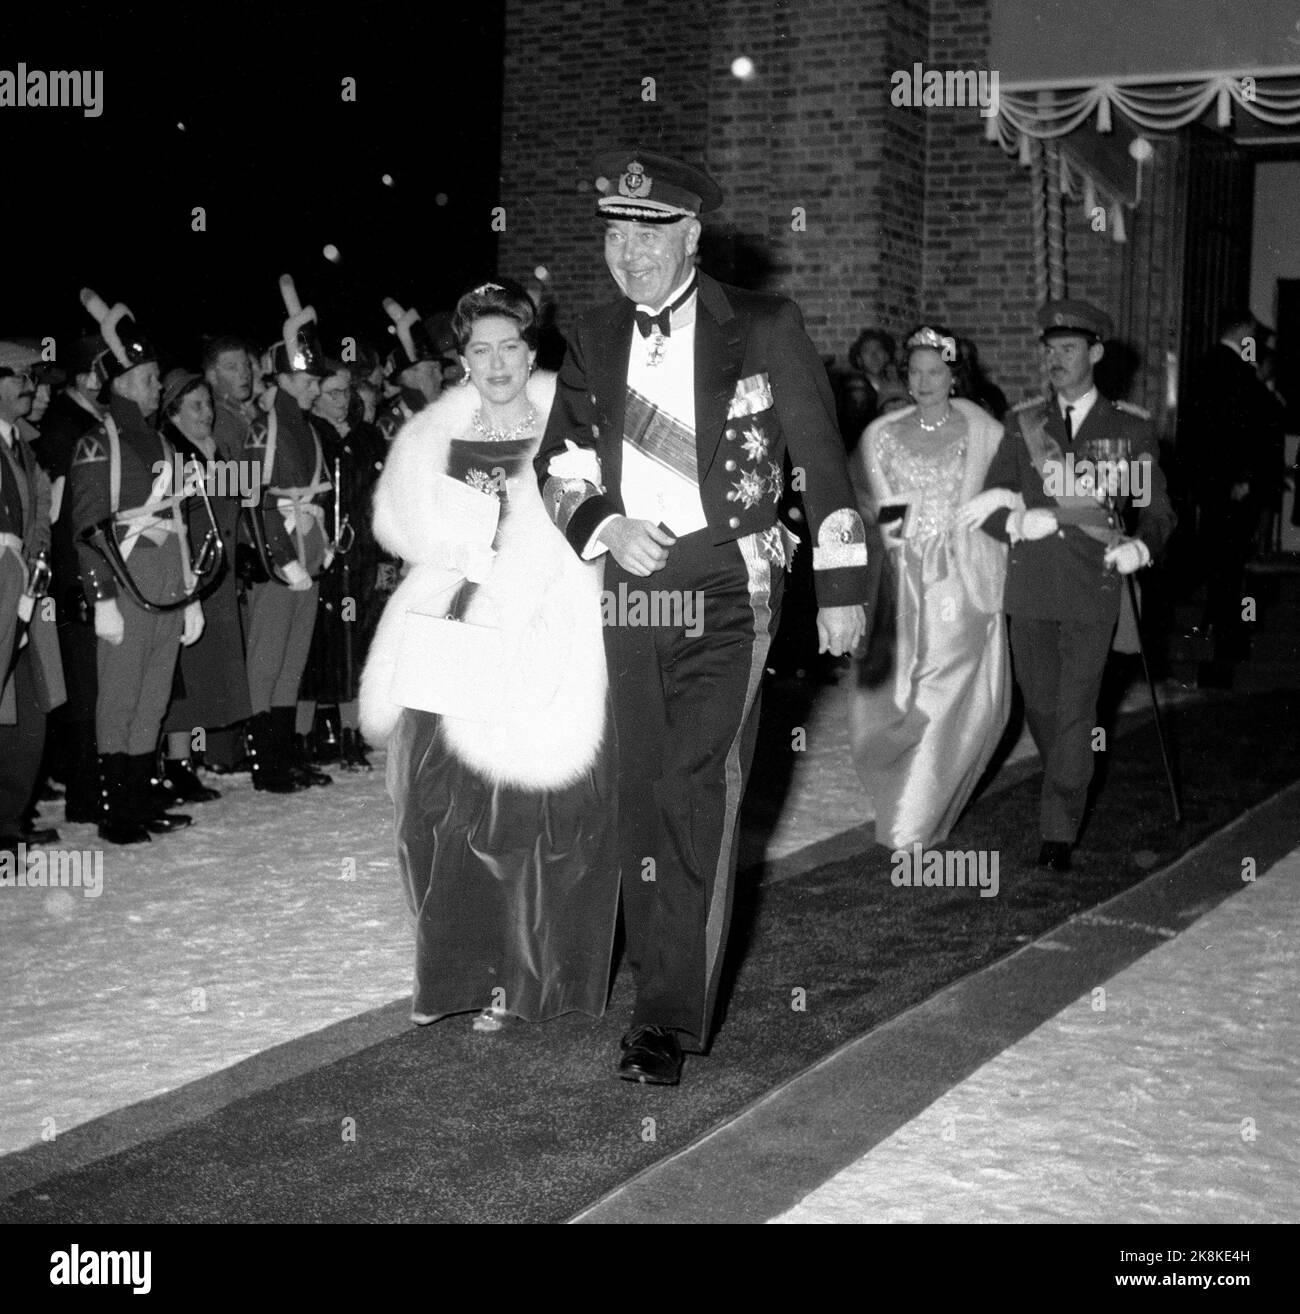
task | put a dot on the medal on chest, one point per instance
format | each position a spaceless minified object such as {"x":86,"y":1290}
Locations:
{"x":658,"y":348}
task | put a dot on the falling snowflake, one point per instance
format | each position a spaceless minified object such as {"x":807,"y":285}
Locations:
{"x":755,"y":444}
{"x":748,"y":489}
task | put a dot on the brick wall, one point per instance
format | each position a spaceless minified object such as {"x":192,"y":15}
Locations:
{"x":907,"y":212}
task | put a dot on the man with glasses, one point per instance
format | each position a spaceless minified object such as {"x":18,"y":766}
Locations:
{"x":32,"y":673}
{"x":1063,"y":590}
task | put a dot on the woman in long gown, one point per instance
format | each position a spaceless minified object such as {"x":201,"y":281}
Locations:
{"x":923,"y":730}
{"x":504,"y":802}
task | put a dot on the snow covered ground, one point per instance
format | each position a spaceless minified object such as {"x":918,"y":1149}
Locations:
{"x":270,"y":918}
{"x":1175,"y":1104}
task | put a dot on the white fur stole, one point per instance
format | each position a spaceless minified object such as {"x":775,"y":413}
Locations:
{"x":544,"y":599}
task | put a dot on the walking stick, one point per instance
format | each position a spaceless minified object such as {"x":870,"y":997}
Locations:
{"x":1155,"y":703}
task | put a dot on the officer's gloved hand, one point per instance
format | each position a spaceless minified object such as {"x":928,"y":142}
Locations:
{"x":26,"y":606}
{"x":299,"y":580}
{"x":1127,"y":556}
{"x":109,"y":624}
{"x":1037,"y":522}
{"x":192,"y":630}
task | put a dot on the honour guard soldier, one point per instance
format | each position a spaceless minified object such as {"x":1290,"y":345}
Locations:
{"x":32,"y":676}
{"x":1086,"y":464}
{"x":288,"y":528}
{"x":413,"y":368}
{"x":71,"y":751}
{"x":130,"y":530}
{"x":675,"y":408}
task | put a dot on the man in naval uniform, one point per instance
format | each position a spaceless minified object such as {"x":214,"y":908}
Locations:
{"x":1063,"y":588}
{"x":675,"y":408}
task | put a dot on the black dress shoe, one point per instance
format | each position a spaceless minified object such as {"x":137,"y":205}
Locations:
{"x":651,"y":1054}
{"x":1054,"y":855}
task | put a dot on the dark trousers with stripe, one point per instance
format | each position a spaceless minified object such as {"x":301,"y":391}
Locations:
{"x":1059,"y":667}
{"x":686,"y":702}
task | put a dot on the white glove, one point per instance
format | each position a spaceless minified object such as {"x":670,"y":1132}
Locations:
{"x":476,"y":561}
{"x":109,"y":624}
{"x":972,"y":514}
{"x":26,"y":606}
{"x":1037,"y":522}
{"x":192,"y":630}
{"x":1128,"y":555}
{"x":299,"y":580}
{"x":575,"y":463}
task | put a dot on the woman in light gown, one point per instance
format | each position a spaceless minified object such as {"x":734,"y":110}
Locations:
{"x":923,"y":730}
{"x":504,"y":804}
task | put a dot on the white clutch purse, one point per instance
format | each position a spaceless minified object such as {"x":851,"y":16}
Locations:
{"x":450,"y":667}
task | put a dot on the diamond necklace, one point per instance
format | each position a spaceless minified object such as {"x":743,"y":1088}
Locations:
{"x":524,"y":426}
{"x":934,"y":428}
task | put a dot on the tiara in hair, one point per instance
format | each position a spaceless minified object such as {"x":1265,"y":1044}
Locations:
{"x":486,"y":287}
{"x":940,"y":342}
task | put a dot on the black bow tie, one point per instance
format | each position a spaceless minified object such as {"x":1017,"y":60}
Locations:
{"x":645,"y":321}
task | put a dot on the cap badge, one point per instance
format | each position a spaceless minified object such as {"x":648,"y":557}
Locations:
{"x":635,"y":182}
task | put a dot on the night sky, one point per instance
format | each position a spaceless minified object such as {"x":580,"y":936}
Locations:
{"x":282,"y":166}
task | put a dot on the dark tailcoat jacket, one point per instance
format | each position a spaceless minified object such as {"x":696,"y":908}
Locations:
{"x":1063,"y":577}
{"x":755,"y":369}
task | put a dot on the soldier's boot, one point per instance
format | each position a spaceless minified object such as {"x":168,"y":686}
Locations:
{"x":149,"y":812}
{"x":270,"y":767}
{"x":354,"y":751}
{"x":176,"y":781}
{"x":294,"y":750}
{"x":325,"y":740}
{"x":81,"y":794}
{"x":117,"y":820}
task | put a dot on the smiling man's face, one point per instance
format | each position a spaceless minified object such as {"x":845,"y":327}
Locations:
{"x":649,"y":261}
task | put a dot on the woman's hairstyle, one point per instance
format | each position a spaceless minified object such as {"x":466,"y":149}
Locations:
{"x":954,"y":351}
{"x":503,"y":297}
{"x":869,"y":335}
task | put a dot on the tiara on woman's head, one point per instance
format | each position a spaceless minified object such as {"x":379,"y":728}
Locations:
{"x":940,"y":342}
{"x":485,"y":287}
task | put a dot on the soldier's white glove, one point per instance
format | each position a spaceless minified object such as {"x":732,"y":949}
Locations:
{"x":575,"y":463}
{"x":26,"y":606}
{"x":109,"y":624}
{"x":299,"y":580}
{"x":972,"y":514}
{"x":1128,"y":555}
{"x":1037,"y":522}
{"x":192,"y":630}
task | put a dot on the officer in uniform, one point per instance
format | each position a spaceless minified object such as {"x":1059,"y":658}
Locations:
{"x":676,"y":405}
{"x":1063,"y":588}
{"x":294,"y":549}
{"x":414,"y":369}
{"x":32,"y":674}
{"x":121,"y":479}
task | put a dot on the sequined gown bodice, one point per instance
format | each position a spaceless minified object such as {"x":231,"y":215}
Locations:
{"x":930,"y":471}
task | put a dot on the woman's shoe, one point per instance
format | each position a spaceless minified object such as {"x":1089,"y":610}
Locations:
{"x":491,"y":1019}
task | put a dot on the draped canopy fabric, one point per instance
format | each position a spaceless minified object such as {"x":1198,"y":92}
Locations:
{"x":1161,"y":63}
